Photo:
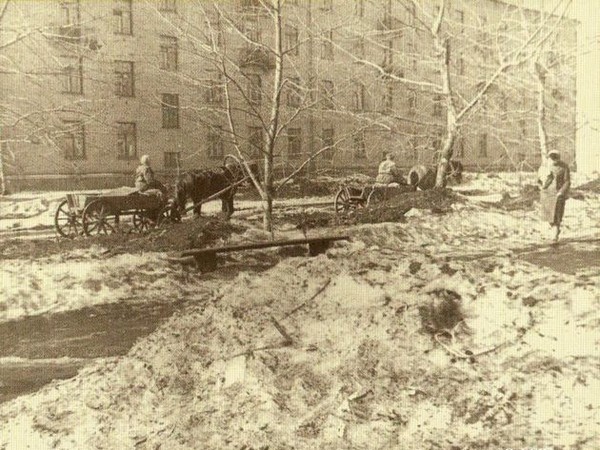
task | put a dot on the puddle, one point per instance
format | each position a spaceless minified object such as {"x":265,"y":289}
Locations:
{"x":566,"y":258}
{"x":33,"y":345}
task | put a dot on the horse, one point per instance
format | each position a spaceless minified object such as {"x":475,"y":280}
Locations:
{"x":200,"y":184}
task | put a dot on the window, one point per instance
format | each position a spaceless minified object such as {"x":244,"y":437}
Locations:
{"x":412,"y":100}
{"x":170,"y":111}
{"x":250,"y":5}
{"x":360,"y":150}
{"x":251,"y":30}
{"x":411,"y":14}
{"x":168,"y":53}
{"x":388,"y":97}
{"x":122,"y":15}
{"x":413,"y":147}
{"x":168,"y":5}
{"x":460,"y":18}
{"x":215,"y":143}
{"x":72,"y":76}
{"x":69,"y":11}
{"x":255,"y":89}
{"x":73,"y":140}
{"x":358,"y":97}
{"x":294,"y":96}
{"x":483,"y":145}
{"x":172,"y":160}
{"x":359,"y":8}
{"x":388,"y":53}
{"x":124,"y":78}
{"x":459,"y":147}
{"x":358,"y":47}
{"x":326,"y":94}
{"x":294,"y":142}
{"x":437,"y":106}
{"x":327,"y":45}
{"x":255,"y":141}
{"x":126,"y":140}
{"x":291,"y":40}
{"x":214,"y":93}
{"x":327,"y":142}
{"x":460,"y":66}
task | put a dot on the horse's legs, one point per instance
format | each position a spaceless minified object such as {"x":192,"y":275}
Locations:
{"x":227,"y":206}
{"x":197,"y":208}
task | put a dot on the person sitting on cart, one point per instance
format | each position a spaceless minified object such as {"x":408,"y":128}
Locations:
{"x":388,"y":172}
{"x":145,"y":179}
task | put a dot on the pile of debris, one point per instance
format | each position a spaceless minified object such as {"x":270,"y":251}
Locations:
{"x":199,"y":232}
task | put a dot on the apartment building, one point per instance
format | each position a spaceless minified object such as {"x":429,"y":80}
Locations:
{"x":88,"y":87}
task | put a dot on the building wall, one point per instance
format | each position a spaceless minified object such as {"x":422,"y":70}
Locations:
{"x":394,"y":40}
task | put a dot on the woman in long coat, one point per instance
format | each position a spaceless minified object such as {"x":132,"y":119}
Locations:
{"x":556,"y":182}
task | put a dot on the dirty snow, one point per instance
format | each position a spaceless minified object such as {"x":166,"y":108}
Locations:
{"x":519,"y":370}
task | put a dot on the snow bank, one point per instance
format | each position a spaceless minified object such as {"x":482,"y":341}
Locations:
{"x":69,"y":282}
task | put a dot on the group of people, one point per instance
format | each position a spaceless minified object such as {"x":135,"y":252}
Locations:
{"x":553,"y":176}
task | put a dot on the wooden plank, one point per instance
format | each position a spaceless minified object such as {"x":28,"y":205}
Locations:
{"x":318,"y":243}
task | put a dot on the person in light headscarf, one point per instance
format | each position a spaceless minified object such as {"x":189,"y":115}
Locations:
{"x":144,"y":177}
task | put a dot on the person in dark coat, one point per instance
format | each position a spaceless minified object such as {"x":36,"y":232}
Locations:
{"x":555,"y":190}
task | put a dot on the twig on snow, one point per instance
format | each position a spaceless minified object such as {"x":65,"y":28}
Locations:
{"x":302,"y":305}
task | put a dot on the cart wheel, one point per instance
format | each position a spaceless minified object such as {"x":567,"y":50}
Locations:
{"x":141,"y":222}
{"x":345,"y":202}
{"x":169,"y":214}
{"x":342,"y":202}
{"x":97,"y":219}
{"x":377,"y":195}
{"x":67,"y":223}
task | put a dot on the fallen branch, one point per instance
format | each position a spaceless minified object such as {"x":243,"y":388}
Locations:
{"x":302,"y":305}
{"x":461,"y":355}
{"x":282,"y":331}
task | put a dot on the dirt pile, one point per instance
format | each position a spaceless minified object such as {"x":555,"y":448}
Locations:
{"x":360,"y":370}
{"x":391,"y":209}
{"x":200,"y":232}
{"x":590,"y":186}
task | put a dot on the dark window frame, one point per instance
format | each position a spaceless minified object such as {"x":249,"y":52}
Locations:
{"x":168,"y":5}
{"x":328,"y":142}
{"x":123,"y":8}
{"x":291,"y":40}
{"x":71,"y":136}
{"x":294,"y":142}
{"x":327,"y":46}
{"x":121,"y":76}
{"x":215,"y":145}
{"x":293,"y":94}
{"x":255,"y":89}
{"x":358,"y":97}
{"x":170,"y":162}
{"x":327,"y":94}
{"x":214,"y":93}
{"x":359,"y":146}
{"x":170,"y":111}
{"x":483,"y":145}
{"x":169,"y":53}
{"x":256,"y":141}
{"x":70,"y":73}
{"x":126,"y":131}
